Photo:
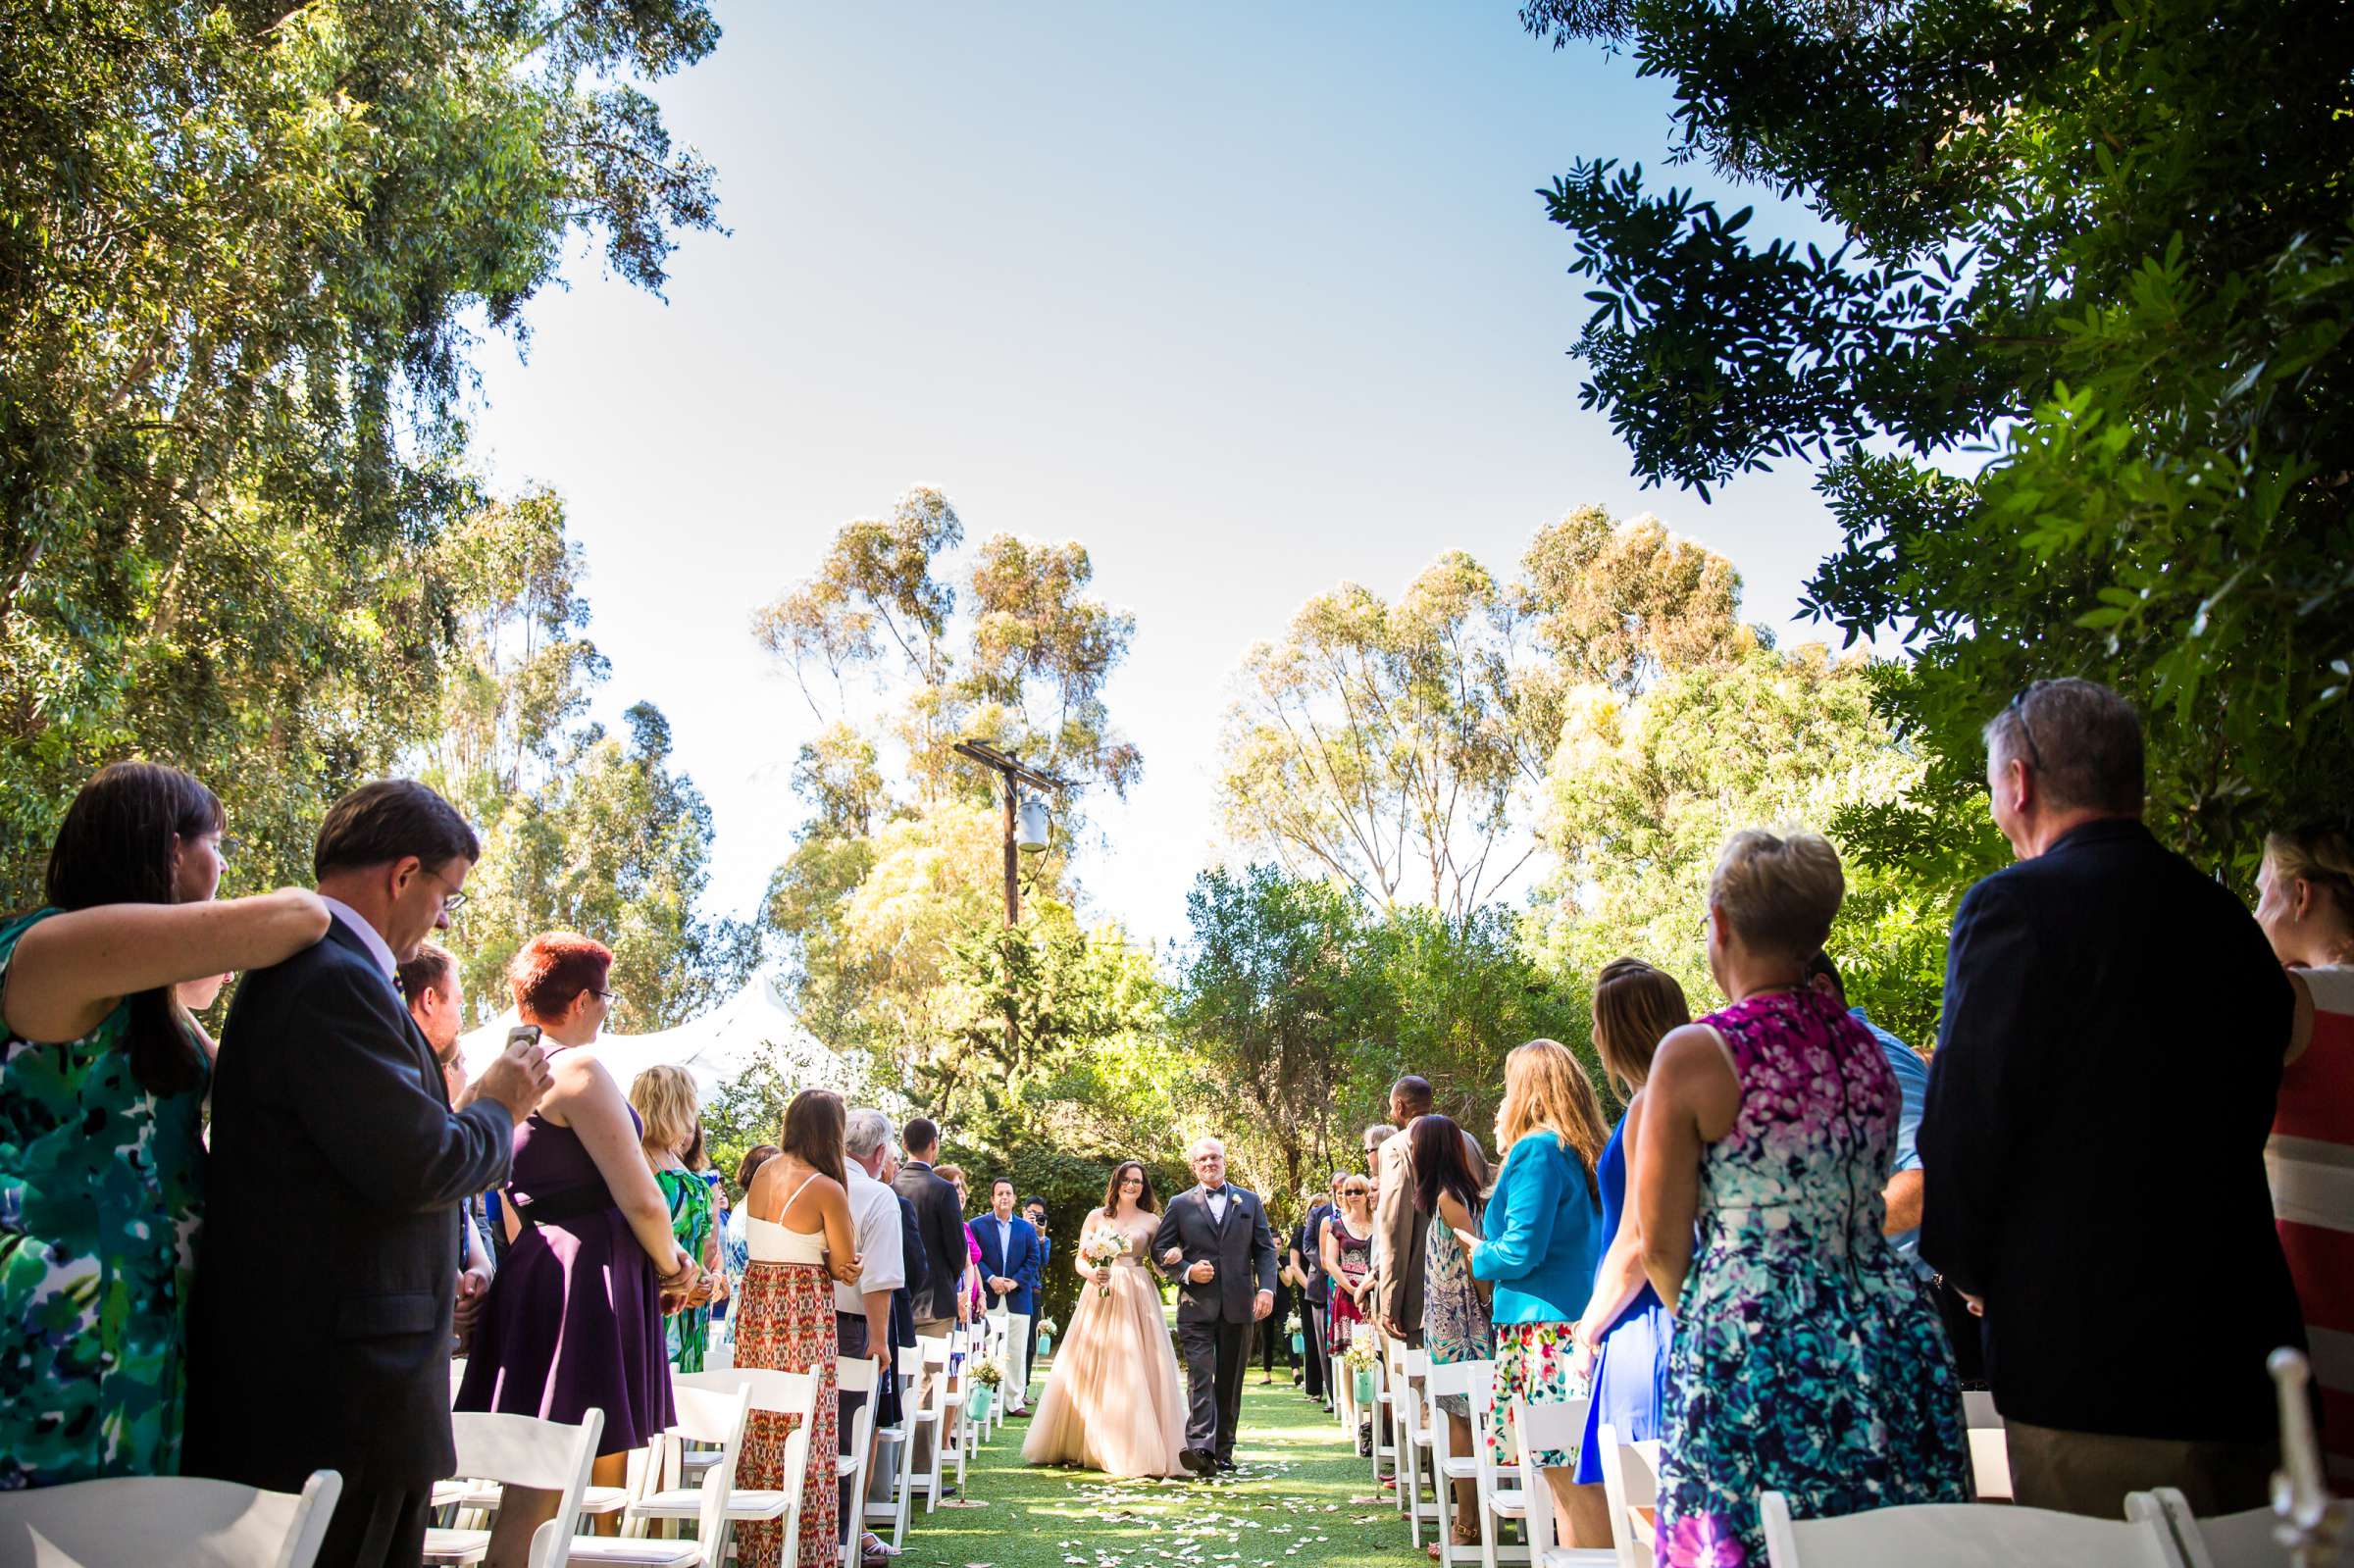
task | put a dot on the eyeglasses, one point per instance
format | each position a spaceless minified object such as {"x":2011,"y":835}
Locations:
{"x":2017,"y":711}
{"x":1357,"y":1191}
{"x":452,"y":900}
{"x":608,"y":998}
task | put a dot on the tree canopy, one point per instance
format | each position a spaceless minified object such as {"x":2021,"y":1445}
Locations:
{"x":2110,"y":243}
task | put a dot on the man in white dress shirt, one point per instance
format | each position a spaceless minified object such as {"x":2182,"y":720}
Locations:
{"x":862,"y":1311}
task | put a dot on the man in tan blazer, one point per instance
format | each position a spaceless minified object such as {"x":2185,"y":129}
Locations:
{"x":1399,"y":1228}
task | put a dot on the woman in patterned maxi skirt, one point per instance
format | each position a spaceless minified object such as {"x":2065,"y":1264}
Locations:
{"x":784,"y":1320}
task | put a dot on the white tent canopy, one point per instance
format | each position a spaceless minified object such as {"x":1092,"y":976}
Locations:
{"x":754,"y":1025}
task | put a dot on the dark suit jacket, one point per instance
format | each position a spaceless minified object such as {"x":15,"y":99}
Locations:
{"x":1019,"y":1263}
{"x":1243,"y":1249}
{"x":2093,"y":1145}
{"x":939,"y":1223}
{"x":319,"y":1328}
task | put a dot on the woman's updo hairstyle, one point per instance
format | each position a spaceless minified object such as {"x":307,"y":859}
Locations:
{"x":1779,"y":893}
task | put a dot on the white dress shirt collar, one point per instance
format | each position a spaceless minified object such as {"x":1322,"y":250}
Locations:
{"x":370,"y":937}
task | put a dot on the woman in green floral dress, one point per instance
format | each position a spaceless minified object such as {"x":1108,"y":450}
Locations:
{"x":102,"y":1074}
{"x":665,"y":1101}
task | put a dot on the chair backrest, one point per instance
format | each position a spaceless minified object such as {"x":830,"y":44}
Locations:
{"x":527,"y":1451}
{"x":1629,"y":1479}
{"x":856,"y":1374}
{"x":1443,"y":1380}
{"x":791,"y":1394}
{"x":1961,"y":1535}
{"x":173,"y":1519}
{"x":2248,"y":1539}
{"x":934,"y":1349}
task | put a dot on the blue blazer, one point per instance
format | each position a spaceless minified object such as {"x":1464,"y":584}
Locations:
{"x":1543,"y":1234}
{"x":1019,"y":1260}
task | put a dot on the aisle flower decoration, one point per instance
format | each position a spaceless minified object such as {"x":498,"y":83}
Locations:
{"x":1103,"y":1247}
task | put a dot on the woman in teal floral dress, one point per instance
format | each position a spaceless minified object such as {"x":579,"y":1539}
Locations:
{"x":101,"y":1081}
{"x":1806,"y":1358}
{"x":665,"y":1102}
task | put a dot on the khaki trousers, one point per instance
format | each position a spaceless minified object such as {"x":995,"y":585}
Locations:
{"x":2090,"y":1472}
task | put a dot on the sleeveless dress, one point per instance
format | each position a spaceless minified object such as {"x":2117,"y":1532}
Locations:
{"x":1630,"y":1365}
{"x":687,"y":1332}
{"x":2310,"y":1160}
{"x":101,"y":1195}
{"x":1454,"y":1320}
{"x":574,"y":1319}
{"x":784,"y":1322}
{"x":1112,"y":1401}
{"x":1806,"y":1359}
{"x":1356,"y":1253}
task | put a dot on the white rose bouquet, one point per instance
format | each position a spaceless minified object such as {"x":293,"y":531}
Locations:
{"x":1103,"y":1247}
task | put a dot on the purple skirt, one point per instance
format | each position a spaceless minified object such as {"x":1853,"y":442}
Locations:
{"x":574,"y":1323}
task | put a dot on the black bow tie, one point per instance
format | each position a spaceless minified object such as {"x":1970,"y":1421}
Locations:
{"x":1214,"y":1192}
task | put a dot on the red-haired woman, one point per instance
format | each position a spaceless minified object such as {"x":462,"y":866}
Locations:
{"x":574,"y":1321}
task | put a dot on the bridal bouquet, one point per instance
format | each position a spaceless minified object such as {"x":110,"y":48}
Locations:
{"x":1103,"y":1248}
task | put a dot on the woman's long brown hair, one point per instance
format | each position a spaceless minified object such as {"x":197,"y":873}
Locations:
{"x":812,"y":1134}
{"x":1111,"y":1190}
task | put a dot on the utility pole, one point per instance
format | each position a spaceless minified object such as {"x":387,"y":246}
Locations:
{"x":1014,"y":772}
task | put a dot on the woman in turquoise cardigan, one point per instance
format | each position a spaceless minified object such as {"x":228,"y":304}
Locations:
{"x":1544,"y":1225}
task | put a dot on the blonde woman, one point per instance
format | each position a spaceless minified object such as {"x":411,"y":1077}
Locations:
{"x":1348,"y":1258}
{"x":1807,"y":1359}
{"x":1544,"y":1228}
{"x":668,"y":1126}
{"x":2305,"y":903}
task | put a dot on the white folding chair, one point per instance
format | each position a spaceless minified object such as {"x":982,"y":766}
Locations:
{"x":521,"y":1452}
{"x":896,"y":1505}
{"x":933,"y":1417}
{"x":2248,"y":1539}
{"x":1538,"y":1427}
{"x":956,"y":1416}
{"x":782,"y":1393}
{"x":855,"y":1375}
{"x":1630,"y":1480}
{"x":1501,"y":1496}
{"x":1961,"y":1535}
{"x":1385,"y":1430}
{"x":1408,"y":1367}
{"x":173,"y":1519}
{"x":1989,"y":1446}
{"x":1447,"y":1467}
{"x":713,"y":1417}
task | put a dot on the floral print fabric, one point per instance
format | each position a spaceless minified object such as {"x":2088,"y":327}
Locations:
{"x":687,"y":1331}
{"x":1454,"y":1320}
{"x":1532,"y":1363}
{"x":1806,"y":1359}
{"x":101,"y":1193}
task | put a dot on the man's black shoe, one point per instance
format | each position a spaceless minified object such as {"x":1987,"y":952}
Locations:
{"x":1195,"y":1462}
{"x":1227,"y":1464}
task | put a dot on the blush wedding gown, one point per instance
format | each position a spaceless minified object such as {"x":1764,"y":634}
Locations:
{"x":1113,"y":1402}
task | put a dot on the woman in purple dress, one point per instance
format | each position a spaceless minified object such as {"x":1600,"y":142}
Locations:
{"x":574,"y":1321}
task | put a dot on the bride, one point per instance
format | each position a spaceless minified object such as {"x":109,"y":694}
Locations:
{"x":1112,"y":1403}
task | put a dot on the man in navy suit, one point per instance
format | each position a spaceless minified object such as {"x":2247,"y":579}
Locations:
{"x":1010,"y":1265}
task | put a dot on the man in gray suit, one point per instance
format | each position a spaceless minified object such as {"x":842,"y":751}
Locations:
{"x":1216,"y":1236}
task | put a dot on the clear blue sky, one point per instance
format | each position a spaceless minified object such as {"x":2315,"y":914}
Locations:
{"x":1250,"y":299}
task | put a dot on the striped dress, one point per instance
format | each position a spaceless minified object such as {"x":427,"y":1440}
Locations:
{"x":2311,"y":1161}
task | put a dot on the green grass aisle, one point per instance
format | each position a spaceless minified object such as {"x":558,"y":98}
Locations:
{"x":1301,"y":1498}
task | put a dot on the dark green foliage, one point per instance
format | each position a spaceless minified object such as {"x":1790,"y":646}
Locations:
{"x":240,"y":247}
{"x":2111,"y":243}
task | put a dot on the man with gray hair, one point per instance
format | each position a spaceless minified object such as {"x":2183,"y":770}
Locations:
{"x":862,"y":1311}
{"x":1216,"y":1236}
{"x":2113,"y":1026}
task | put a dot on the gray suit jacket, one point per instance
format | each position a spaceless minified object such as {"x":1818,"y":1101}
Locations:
{"x":1399,"y":1230}
{"x":1242,"y":1247}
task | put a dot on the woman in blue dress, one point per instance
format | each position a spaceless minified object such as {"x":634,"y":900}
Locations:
{"x":1807,"y":1359}
{"x":1622,"y":1342}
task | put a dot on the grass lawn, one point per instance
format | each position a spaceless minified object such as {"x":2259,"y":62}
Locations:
{"x":1302,"y":1496}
